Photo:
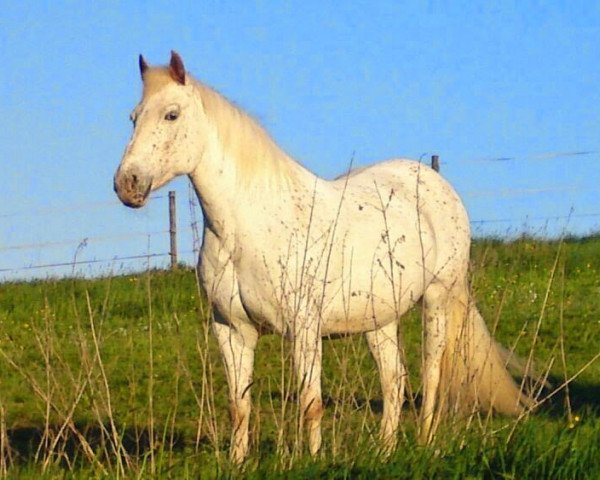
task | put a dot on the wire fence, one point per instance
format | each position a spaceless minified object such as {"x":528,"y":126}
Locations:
{"x":157,"y":256}
{"x":74,"y":263}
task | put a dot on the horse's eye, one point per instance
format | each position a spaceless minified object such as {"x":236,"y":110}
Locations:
{"x":172,"y":115}
{"x":133,"y":118}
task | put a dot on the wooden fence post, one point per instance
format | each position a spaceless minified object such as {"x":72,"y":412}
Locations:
{"x":435,"y":162}
{"x":173,"y":229}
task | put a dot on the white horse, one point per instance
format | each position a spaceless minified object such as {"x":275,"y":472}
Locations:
{"x":286,"y":251}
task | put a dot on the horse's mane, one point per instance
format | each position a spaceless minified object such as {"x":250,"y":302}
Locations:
{"x":242,"y":138}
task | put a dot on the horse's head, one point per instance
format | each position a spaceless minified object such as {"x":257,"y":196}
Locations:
{"x":162,"y":145}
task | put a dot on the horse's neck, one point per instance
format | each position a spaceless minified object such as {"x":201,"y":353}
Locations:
{"x":233,"y":192}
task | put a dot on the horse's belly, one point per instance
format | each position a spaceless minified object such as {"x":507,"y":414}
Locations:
{"x":344,"y":307}
{"x":371,"y":307}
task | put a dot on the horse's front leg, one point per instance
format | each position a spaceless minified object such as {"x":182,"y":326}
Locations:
{"x":307,"y":360}
{"x":237,"y":349}
{"x":385,"y":348}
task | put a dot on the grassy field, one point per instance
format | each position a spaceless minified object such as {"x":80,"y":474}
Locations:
{"x":120,"y":377}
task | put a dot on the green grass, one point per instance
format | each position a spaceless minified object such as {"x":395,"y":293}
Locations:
{"x":93,"y":371}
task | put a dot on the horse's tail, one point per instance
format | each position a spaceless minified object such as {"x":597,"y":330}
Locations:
{"x":474,"y":370}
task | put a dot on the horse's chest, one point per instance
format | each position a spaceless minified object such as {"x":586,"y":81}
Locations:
{"x":259,"y":299}
{"x":279,"y":278}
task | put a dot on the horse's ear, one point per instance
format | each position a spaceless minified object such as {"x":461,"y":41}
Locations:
{"x":143,"y":65}
{"x":176,"y":68}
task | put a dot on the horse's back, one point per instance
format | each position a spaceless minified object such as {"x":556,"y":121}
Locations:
{"x":415,"y":202}
{"x":402,"y":170}
{"x":414,"y":182}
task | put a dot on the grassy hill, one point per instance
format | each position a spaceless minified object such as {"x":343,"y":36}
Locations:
{"x":120,"y":377}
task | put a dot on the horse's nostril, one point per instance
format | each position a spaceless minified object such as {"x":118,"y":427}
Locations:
{"x":134,"y":180}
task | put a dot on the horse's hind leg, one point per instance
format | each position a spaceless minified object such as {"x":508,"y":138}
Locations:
{"x":441,"y":303}
{"x":435,"y":304}
{"x":237,"y":349}
{"x":385,"y":348}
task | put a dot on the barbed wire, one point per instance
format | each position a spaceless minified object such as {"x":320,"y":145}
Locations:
{"x":507,"y":192}
{"x":103,"y":238}
{"x":85,"y":262}
{"x":71,"y":208}
{"x":504,"y":192}
{"x":533,"y":156}
{"x":81,"y":241}
{"x":94,"y":261}
{"x":195,"y":250}
{"x":536,"y":218}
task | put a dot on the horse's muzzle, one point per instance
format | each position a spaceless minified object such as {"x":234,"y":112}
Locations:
{"x":132,"y":188}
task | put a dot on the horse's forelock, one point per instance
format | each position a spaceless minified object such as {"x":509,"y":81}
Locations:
{"x":156,"y":79}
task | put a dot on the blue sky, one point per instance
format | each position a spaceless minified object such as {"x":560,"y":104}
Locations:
{"x":505,"y":93}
